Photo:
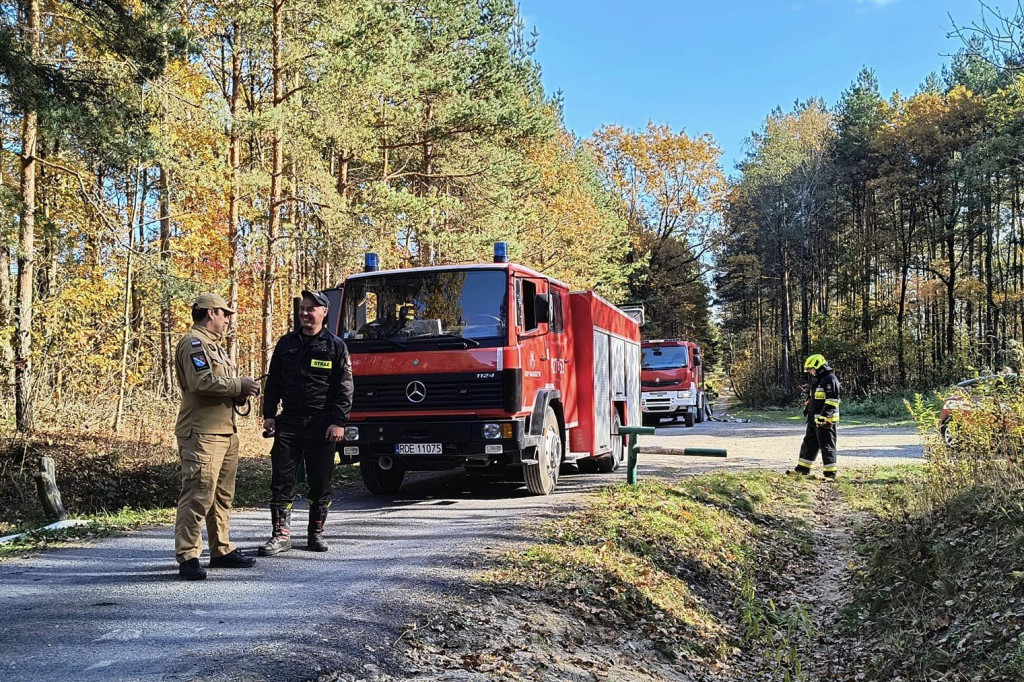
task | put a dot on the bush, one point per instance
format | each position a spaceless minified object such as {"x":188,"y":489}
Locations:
{"x":756,"y":383}
{"x":890,"y":406}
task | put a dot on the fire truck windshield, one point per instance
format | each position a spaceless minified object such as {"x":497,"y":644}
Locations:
{"x":664,"y":357}
{"x":425,"y":308}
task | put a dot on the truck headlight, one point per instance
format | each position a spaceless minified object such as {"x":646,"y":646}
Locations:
{"x":351,"y":433}
{"x":683,"y":394}
{"x":492,"y":431}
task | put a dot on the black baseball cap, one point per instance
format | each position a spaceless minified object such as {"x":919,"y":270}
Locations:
{"x":318,"y":296}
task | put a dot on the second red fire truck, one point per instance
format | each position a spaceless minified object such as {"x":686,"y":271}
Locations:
{"x":484,"y":367}
{"x":673,"y":381}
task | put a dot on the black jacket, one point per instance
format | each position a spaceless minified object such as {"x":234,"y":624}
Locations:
{"x":311,"y":377}
{"x":823,"y":395}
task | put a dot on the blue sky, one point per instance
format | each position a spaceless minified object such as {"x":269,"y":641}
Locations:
{"x":722,"y":66}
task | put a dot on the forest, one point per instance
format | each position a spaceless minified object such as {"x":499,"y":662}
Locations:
{"x":884,"y":232}
{"x":154,"y":149}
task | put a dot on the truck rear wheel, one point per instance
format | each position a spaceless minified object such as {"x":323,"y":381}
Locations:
{"x":380,"y":481}
{"x":688,"y":418}
{"x":700,"y":411}
{"x":612,"y":460}
{"x":542,"y":476}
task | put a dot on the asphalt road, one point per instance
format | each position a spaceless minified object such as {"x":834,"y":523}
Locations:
{"x":115,"y":610}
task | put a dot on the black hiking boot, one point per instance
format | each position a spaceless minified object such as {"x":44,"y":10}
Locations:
{"x":233,"y":559}
{"x":191,"y":570}
{"x":799,"y":470}
{"x":830,"y":476}
{"x":281,"y":539}
{"x":315,"y":532}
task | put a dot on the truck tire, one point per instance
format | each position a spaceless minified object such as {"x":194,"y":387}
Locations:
{"x":380,"y":481}
{"x":542,"y":476}
{"x":610,"y":462}
{"x":689,"y":418}
{"x":700,"y":410}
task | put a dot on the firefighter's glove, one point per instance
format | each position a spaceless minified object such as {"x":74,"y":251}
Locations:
{"x":820,"y":420}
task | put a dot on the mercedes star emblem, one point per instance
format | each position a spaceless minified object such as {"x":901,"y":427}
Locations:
{"x":416,"y":391}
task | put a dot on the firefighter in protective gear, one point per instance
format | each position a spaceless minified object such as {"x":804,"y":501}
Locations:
{"x":822,"y":411}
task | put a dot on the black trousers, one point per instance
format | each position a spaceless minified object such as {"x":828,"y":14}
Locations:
{"x":309,"y":446}
{"x":817,"y":438}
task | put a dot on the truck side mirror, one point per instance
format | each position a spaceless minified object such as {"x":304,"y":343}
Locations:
{"x":697,"y":361}
{"x":542,"y":305}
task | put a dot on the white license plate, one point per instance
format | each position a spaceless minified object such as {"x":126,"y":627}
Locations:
{"x":418,"y":449}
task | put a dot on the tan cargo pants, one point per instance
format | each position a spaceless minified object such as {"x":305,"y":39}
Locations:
{"x":209,"y":463}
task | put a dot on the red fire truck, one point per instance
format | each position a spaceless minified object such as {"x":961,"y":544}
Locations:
{"x":672,"y":376}
{"x":484,"y":367}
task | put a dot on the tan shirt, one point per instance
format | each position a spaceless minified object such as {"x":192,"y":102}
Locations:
{"x":208,"y":383}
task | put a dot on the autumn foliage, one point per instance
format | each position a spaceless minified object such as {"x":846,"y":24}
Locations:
{"x":255,"y":148}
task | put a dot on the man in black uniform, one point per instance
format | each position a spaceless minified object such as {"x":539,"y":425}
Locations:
{"x":822,"y":411}
{"x":311,"y":377}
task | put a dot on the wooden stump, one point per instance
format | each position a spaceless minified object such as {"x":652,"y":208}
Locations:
{"x":49,"y":495}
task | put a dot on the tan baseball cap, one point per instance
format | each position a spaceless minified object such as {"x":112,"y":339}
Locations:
{"x":211,"y":301}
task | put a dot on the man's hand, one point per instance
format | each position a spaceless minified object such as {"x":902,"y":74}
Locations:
{"x":250,"y":388}
{"x":335,"y":433}
{"x":270,"y":425}
{"x":820,"y":420}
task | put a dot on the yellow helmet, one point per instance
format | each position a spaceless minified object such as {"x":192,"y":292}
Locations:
{"x":816,"y":361}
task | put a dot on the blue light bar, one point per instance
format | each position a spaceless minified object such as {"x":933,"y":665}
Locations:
{"x":500,"y":252}
{"x":370,"y":262}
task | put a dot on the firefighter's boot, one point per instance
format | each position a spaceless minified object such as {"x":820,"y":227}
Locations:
{"x":315,"y":532}
{"x":281,"y":539}
{"x":799,"y":470}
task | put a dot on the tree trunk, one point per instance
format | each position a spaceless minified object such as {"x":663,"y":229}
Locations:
{"x":166,"y":319}
{"x":785,"y":330}
{"x":277,"y":171}
{"x":234,"y":155}
{"x":126,"y":310}
{"x":950,"y":342}
{"x":6,"y":313}
{"x":27,"y":224}
{"x":46,"y":486}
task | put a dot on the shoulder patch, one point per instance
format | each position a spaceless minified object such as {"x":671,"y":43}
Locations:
{"x":199,"y":361}
{"x":196,"y":342}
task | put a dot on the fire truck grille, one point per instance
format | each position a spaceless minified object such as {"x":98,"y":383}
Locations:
{"x":429,"y":392}
{"x":661,"y":384}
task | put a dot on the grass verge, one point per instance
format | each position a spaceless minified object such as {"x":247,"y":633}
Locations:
{"x":676,"y":578}
{"x":940,"y":590}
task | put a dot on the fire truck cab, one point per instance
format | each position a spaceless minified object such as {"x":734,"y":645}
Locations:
{"x":484,"y":367}
{"x":672,"y":376}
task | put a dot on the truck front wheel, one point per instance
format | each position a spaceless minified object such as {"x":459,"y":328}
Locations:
{"x":542,"y":476}
{"x":689,"y":417}
{"x":700,"y":411}
{"x":378,"y":480}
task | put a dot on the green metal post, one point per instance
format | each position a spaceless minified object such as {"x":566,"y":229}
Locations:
{"x":634,"y":449}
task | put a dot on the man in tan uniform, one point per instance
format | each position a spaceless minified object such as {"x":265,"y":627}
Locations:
{"x":207,"y":440}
